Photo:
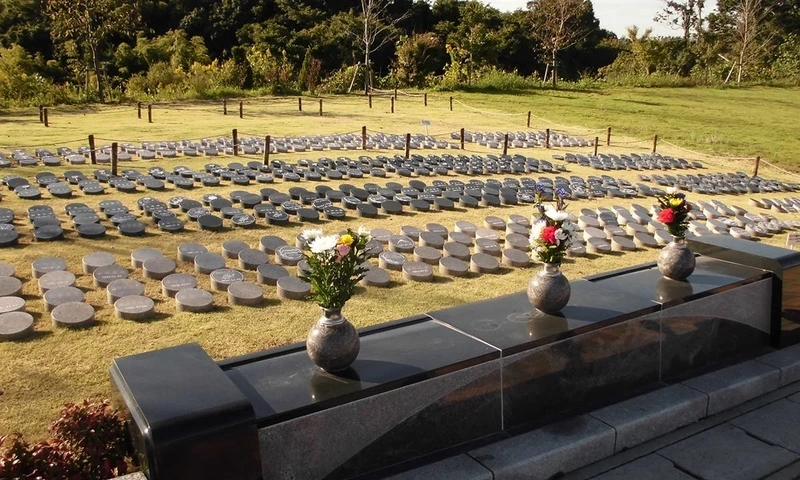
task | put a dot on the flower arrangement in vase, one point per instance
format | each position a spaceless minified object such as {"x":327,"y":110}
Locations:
{"x":335,"y":267}
{"x":552,"y":233}
{"x":675,"y":261}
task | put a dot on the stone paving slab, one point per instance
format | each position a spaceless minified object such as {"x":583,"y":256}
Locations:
{"x":651,"y":415}
{"x":787,"y":360}
{"x":777,"y":423}
{"x":542,"y":453}
{"x":651,"y":467}
{"x":727,"y":453}
{"x":461,"y":467}
{"x":736,"y":384}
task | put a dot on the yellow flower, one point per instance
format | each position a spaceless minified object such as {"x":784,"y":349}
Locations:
{"x":675,"y":202}
{"x":346,"y":239}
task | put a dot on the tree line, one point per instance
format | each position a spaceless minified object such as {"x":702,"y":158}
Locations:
{"x":54,"y":51}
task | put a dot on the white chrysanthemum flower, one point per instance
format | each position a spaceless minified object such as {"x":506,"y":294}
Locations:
{"x":536,"y":230}
{"x":363,"y":231}
{"x":311,"y":234}
{"x":555,"y":214}
{"x":672,"y":190}
{"x":323,"y":244}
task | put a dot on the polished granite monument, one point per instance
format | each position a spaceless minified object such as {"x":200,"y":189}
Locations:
{"x":439,"y":380}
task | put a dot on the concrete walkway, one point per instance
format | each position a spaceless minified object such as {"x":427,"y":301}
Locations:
{"x":759,"y":439}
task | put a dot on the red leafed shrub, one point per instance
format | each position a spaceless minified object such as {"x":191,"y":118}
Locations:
{"x":90,"y":443}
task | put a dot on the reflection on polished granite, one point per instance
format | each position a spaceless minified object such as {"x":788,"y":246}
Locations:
{"x":511,"y":324}
{"x":710,"y":276}
{"x":388,"y":359}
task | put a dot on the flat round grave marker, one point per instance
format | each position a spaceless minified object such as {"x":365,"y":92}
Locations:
{"x":596,"y":245}
{"x":515,"y":258}
{"x":466,"y":227}
{"x":122,"y":288}
{"x":210,"y":222}
{"x":376,"y":277}
{"x":401,"y":244}
{"x":417,"y":272}
{"x":488,"y":246}
{"x":494,"y":223}
{"x":57,"y":296}
{"x":438,"y":229}
{"x":381,"y":234}
{"x":15,"y":326}
{"x":453,"y":267}
{"x":93,"y":261}
{"x":72,"y":315}
{"x":134,"y":307}
{"x":518,"y":242}
{"x":158,"y":268}
{"x":269,"y":274}
{"x":43,"y":265}
{"x":194,"y":300}
{"x":576,"y":250}
{"x":250,"y":258}
{"x":270,"y":243}
{"x":51,"y":280}
{"x":12,"y":304}
{"x":105,"y":275}
{"x":333,"y":213}
{"x":460,"y":237}
{"x":245,"y":293}
{"x":431,"y":239}
{"x":132,"y":228}
{"x":7,"y":270}
{"x":288,"y":255}
{"x":223,"y":278}
{"x":47,"y":233}
{"x":208,"y":262}
{"x":277,"y":217}
{"x":292,"y":288}
{"x":456,"y":250}
{"x":622,"y":244}
{"x":644,"y":240}
{"x":427,"y":255}
{"x":172,"y":284}
{"x":391,"y":260}
{"x":188,"y":251}
{"x":139,"y":256}
{"x":231,"y":248}
{"x":483,"y":263}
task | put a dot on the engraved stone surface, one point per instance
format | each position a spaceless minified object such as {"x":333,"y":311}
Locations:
{"x":134,"y":307}
{"x":223,"y":278}
{"x":139,"y":256}
{"x":453,"y":267}
{"x":194,"y":300}
{"x":269,"y":274}
{"x":57,"y":296}
{"x":288,"y":255}
{"x":12,"y":304}
{"x":208,"y":262}
{"x":418,"y":272}
{"x":10,"y":287}
{"x":158,"y":268}
{"x":483,"y":263}
{"x":245,"y":293}
{"x":52,"y":280}
{"x":123,"y":288}
{"x":105,"y":275}
{"x":292,"y":288}
{"x":93,"y":261}
{"x":73,"y":315}
{"x":172,"y":284}
{"x":15,"y":326}
{"x":376,"y":277}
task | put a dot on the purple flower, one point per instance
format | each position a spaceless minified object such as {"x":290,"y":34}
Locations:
{"x":561,"y":193}
{"x":539,"y":187}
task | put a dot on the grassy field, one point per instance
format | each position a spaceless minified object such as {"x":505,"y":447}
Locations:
{"x":56,"y":366}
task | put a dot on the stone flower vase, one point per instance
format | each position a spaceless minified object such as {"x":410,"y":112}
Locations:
{"x":549,"y":289}
{"x":333,"y":342}
{"x":676,"y":261}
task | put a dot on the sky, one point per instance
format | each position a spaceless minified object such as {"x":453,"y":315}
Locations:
{"x":614,"y":15}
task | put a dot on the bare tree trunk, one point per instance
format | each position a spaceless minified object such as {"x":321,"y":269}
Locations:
{"x":555,"y":69}
{"x":96,"y":63}
{"x":367,"y":46}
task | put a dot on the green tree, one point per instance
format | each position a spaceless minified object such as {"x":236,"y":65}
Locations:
{"x":91,"y":24}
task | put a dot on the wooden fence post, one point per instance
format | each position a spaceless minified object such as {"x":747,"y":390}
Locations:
{"x":655,"y":143}
{"x":149,"y":113}
{"x":364,"y":137}
{"x":425,"y":99}
{"x":529,"y":119}
{"x":114,"y":158}
{"x":267,"y":141}
{"x":408,"y":144}
{"x":224,"y":106}
{"x":451,"y":104}
{"x":235,"y":135}
{"x":241,"y":109}
{"x":596,"y":142}
{"x":758,"y":162}
{"x":608,"y":138}
{"x":320,"y":107}
{"x":547,"y":138}
{"x":370,"y":100}
{"x":462,"y":139}
{"x":41,"y":113}
{"x":392,"y":104}
{"x":92,"y":157}
{"x":505,"y":144}
{"x":139,"y":110}
{"x":46,"y":120}
{"x":300,"y":104}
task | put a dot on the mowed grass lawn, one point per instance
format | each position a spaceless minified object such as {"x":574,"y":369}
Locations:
{"x":55,"y":366}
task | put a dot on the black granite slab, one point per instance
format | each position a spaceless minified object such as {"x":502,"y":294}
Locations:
{"x":187,"y":419}
{"x":710,"y":276}
{"x":785,"y":267}
{"x":512,"y":325}
{"x":389,"y":359}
